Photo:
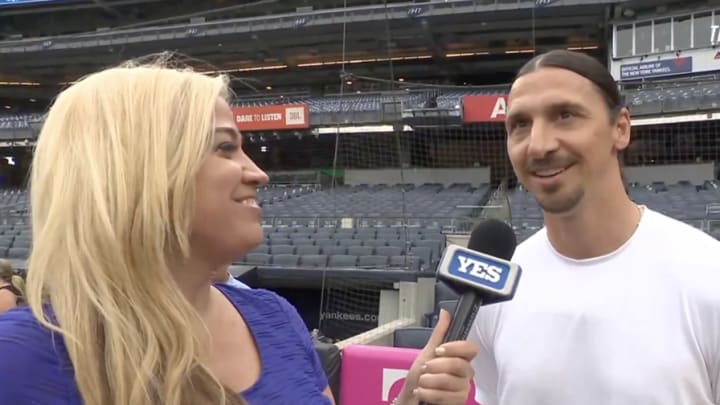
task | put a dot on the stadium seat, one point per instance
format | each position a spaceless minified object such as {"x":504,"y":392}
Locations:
{"x":286,"y":259}
{"x":412,"y":337}
{"x":360,"y":250}
{"x":342,"y":261}
{"x":349,"y":242}
{"x":448,"y":305}
{"x":258,"y":258}
{"x":388,"y":251}
{"x":411,"y":263}
{"x":444,"y":293}
{"x":313,"y":260}
{"x":334,"y":250}
{"x":425,"y":255}
{"x":308,"y":250}
{"x":374,"y":243}
{"x":282,"y":249}
{"x":373,"y":261}
{"x":303,"y":242}
{"x":330,"y":358}
{"x":18,"y":253}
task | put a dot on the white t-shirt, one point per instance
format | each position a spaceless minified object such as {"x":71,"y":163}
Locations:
{"x":639,"y":326}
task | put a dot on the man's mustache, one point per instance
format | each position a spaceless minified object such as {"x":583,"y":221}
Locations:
{"x":550,"y":163}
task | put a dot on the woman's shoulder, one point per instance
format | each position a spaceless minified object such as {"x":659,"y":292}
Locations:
{"x":263,"y":302}
{"x":20,"y":323}
{"x":29,"y":352}
{"x":24,"y":338}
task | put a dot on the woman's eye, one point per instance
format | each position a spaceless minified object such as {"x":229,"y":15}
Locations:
{"x":227,"y":147}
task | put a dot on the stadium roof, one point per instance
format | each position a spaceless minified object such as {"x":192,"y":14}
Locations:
{"x":424,"y":40}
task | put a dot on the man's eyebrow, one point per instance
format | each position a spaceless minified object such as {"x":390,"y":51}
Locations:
{"x":517,"y":113}
{"x":565,"y":105}
{"x":232,"y":132}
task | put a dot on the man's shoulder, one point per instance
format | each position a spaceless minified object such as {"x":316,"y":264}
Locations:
{"x":685,"y":238}
{"x":534,"y":244}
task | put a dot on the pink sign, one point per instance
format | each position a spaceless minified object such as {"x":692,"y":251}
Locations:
{"x":374,"y":375}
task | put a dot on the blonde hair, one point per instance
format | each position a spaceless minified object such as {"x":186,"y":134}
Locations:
{"x":111,"y":189}
{"x":8,"y":274}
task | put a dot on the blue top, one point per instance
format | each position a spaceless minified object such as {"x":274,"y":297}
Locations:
{"x":35,"y":368}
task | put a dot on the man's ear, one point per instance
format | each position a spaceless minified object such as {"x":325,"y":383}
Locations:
{"x":621,"y":130}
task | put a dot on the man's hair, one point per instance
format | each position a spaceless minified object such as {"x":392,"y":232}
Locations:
{"x":589,"y":68}
{"x":583,"y":65}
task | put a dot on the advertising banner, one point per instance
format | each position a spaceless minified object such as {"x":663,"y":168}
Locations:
{"x":374,"y":375}
{"x":485,"y":108}
{"x":272,"y":117}
{"x":663,"y":67}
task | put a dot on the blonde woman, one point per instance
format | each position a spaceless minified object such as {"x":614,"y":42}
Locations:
{"x":12,"y":287}
{"x":140,"y":190}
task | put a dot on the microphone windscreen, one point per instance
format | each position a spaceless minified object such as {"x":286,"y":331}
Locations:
{"x":495,"y":238}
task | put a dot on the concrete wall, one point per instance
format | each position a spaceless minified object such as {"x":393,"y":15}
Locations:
{"x":670,"y":174}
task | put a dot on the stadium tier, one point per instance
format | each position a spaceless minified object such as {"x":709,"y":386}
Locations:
{"x":665,"y":98}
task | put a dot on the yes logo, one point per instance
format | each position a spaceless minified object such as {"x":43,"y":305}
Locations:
{"x":477,"y":269}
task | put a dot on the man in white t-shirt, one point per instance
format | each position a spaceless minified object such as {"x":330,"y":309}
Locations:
{"x":617,"y":304}
{"x":222,"y":275}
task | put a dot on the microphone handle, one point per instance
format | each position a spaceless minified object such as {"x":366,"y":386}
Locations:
{"x":463,"y":319}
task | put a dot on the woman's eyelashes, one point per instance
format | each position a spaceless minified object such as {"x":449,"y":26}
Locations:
{"x":228,"y":148}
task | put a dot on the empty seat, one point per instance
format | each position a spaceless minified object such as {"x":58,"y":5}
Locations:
{"x":350,"y":242}
{"x":325,"y":242}
{"x":18,"y":253}
{"x":342,"y":261}
{"x":388,"y":251}
{"x":308,"y":250}
{"x":333,"y":250}
{"x":286,"y":260}
{"x":257,"y":258}
{"x":444,"y":293}
{"x":398,"y":243}
{"x":280,"y":241}
{"x":411,"y":263}
{"x":315,"y":261}
{"x":21,"y":243}
{"x":365,"y":234}
{"x":304,"y":231}
{"x":448,"y":305}
{"x":412,"y":337}
{"x":261,"y":249}
{"x":303,"y":242}
{"x":374,"y":261}
{"x":425,"y":255}
{"x":375,"y":242}
{"x":434,"y":245}
{"x":282,"y":249}
{"x":360,"y":250}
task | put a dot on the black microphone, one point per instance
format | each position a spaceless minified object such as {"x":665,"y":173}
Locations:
{"x":482,"y":274}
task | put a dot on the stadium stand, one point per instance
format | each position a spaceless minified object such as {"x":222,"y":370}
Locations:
{"x":343,"y":233}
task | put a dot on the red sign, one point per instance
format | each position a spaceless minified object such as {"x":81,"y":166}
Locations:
{"x":270,"y":117}
{"x":489,"y":108}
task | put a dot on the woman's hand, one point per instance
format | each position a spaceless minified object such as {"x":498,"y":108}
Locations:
{"x":441,"y":374}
